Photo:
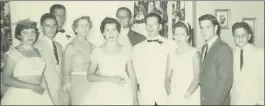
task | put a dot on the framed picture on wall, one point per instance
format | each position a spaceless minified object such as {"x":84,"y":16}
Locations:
{"x":250,"y":22}
{"x":223,"y":17}
{"x":142,"y":8}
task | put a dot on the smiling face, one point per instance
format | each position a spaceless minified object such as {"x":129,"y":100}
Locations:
{"x":180,"y":36}
{"x":83,"y":28}
{"x":28,"y":36}
{"x":110,"y":32}
{"x":49,"y":27}
{"x":241,"y":37}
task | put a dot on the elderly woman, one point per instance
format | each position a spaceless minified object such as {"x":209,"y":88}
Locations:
{"x":23,"y":70}
{"x":76,"y":60}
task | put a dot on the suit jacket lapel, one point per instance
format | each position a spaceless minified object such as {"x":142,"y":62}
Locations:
{"x":211,"y":52}
{"x":50,"y":53}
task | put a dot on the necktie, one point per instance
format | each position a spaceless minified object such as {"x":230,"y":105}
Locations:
{"x":206,"y":50}
{"x":55,"y":52}
{"x":241,"y":59}
{"x":155,"y":40}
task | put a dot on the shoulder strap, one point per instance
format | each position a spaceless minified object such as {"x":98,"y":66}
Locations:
{"x":14,"y":53}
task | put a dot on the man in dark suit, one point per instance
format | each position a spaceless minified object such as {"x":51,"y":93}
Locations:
{"x":217,"y":69}
{"x":127,"y":35}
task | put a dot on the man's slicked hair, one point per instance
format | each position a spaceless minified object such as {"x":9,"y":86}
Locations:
{"x":56,"y":6}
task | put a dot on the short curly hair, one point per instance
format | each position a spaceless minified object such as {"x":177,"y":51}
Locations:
{"x":74,"y":25}
{"x":25,"y":24}
{"x":109,"y":20}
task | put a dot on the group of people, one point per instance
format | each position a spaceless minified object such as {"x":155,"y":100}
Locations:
{"x":54,"y":68}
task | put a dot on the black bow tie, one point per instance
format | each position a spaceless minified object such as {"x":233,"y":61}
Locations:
{"x":155,"y":40}
{"x":61,"y":30}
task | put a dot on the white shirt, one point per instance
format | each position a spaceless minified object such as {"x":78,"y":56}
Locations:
{"x":64,"y":38}
{"x":210,"y":43}
{"x":150,"y":63}
{"x":248,"y":85}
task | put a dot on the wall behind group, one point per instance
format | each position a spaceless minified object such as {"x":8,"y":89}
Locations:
{"x":97,"y":10}
{"x":238,"y":10}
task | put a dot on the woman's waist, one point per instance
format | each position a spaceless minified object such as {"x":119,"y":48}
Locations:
{"x":84,"y":72}
{"x":30,"y":79}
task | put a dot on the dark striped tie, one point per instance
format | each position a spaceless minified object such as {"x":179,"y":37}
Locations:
{"x":55,"y":52}
{"x":206,"y":50}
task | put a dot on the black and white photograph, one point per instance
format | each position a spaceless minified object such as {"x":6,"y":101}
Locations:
{"x":132,"y":53}
{"x":223,"y":16}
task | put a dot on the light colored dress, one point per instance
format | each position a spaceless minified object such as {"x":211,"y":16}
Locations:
{"x":182,"y":77}
{"x":106,"y":93}
{"x":26,"y":66}
{"x":79,"y":66}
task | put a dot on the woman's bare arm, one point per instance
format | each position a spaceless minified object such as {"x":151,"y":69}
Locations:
{"x":168,"y":77}
{"x":66,"y":67}
{"x":196,"y":70}
{"x":8,"y":78}
{"x":132,"y":77}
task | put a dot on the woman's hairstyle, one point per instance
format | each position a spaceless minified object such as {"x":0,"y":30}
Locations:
{"x":109,"y":20}
{"x":25,"y":24}
{"x":184,"y":25}
{"x":246,"y":27}
{"x":74,"y":25}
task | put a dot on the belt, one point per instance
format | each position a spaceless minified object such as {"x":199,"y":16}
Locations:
{"x":79,"y":73}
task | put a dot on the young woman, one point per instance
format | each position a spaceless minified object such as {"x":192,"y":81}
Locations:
{"x":182,"y":76}
{"x":23,"y":70}
{"x":76,"y":60}
{"x":114,"y":82}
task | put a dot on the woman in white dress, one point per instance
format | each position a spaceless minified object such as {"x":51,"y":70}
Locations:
{"x":182,"y":76}
{"x":76,"y":60}
{"x":111,"y":71}
{"x":23,"y":70}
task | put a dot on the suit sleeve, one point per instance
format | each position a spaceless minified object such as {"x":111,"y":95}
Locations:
{"x":224,"y":70}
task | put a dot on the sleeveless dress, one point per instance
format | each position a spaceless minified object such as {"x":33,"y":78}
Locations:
{"x":182,"y":77}
{"x":79,"y":66}
{"x":26,"y":66}
{"x":106,"y":93}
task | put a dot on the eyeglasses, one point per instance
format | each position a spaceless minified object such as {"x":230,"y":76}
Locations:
{"x":84,"y":26}
{"x":240,"y":36}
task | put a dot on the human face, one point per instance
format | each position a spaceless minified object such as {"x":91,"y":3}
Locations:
{"x":110,"y":32}
{"x":28,"y":36}
{"x":49,"y":27}
{"x":180,"y":36}
{"x":208,"y":30}
{"x":123,"y":18}
{"x":152,"y":26}
{"x":83,"y":28}
{"x":60,"y":15}
{"x":241,"y":37}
